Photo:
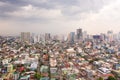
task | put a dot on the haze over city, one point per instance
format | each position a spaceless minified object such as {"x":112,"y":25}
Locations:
{"x":59,"y":16}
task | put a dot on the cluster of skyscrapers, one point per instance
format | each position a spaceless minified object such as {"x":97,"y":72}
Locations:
{"x":70,"y":38}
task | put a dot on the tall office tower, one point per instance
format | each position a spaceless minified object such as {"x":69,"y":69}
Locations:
{"x":103,"y":36}
{"x":110,"y":36}
{"x":84,"y":35}
{"x":47,"y":36}
{"x":42,"y":37}
{"x":79,"y":34}
{"x":71,"y":37}
{"x":25,"y":37}
{"x":36,"y":38}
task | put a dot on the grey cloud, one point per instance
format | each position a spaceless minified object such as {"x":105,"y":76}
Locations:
{"x":53,"y":15}
{"x":9,"y":7}
{"x":69,"y":8}
{"x":84,"y":6}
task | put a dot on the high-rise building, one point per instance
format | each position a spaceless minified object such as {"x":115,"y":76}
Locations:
{"x":47,"y":36}
{"x":36,"y":38}
{"x":71,"y":37}
{"x":110,"y":35}
{"x":84,"y":35}
{"x":103,"y":36}
{"x":25,"y":37}
{"x":79,"y":34}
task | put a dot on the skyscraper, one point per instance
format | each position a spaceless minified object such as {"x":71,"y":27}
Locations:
{"x":79,"y":34}
{"x":71,"y":37}
{"x":103,"y":36}
{"x":47,"y":36}
{"x":110,"y":35}
{"x":84,"y":35}
{"x":36,"y":38}
{"x":25,"y":37}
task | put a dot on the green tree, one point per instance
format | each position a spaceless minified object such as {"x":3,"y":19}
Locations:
{"x":100,"y":78}
{"x":111,"y":78}
{"x":37,"y":76}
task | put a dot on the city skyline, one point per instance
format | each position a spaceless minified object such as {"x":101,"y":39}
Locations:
{"x":59,"y":16}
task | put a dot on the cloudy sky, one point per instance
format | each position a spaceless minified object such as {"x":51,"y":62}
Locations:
{"x":59,"y":16}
